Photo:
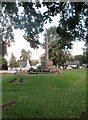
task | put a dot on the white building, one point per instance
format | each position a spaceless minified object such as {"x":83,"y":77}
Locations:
{"x":71,"y":64}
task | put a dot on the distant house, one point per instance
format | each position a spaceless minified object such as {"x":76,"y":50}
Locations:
{"x":71,"y":64}
{"x":23,"y":65}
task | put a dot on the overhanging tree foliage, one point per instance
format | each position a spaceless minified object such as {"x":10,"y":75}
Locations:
{"x":71,"y":27}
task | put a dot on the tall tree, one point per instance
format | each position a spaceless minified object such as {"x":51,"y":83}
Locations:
{"x":3,"y":52}
{"x":12,"y":62}
{"x":85,"y":55}
{"x":3,"y":63}
{"x":80,"y":58}
{"x":8,"y":12}
{"x":6,"y":35}
{"x":58,"y":52}
{"x":54,"y":39}
{"x":25,"y":55}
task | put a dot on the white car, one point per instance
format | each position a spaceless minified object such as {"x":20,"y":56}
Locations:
{"x":34,"y":67}
{"x":12,"y":71}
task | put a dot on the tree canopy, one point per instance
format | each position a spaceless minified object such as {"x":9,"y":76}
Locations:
{"x":25,"y":55}
{"x":72,"y":24}
{"x":12,"y":62}
{"x":58,"y":52}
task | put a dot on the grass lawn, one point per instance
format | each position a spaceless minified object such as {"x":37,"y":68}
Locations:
{"x":45,"y":95}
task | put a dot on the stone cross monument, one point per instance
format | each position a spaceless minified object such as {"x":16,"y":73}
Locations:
{"x":48,"y":63}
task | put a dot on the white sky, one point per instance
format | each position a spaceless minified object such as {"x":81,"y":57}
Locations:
{"x":20,"y":44}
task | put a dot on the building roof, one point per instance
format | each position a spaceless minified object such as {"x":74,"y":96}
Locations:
{"x":22,"y":63}
{"x":71,"y":63}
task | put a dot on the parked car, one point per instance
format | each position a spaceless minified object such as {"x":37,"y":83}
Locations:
{"x":12,"y":71}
